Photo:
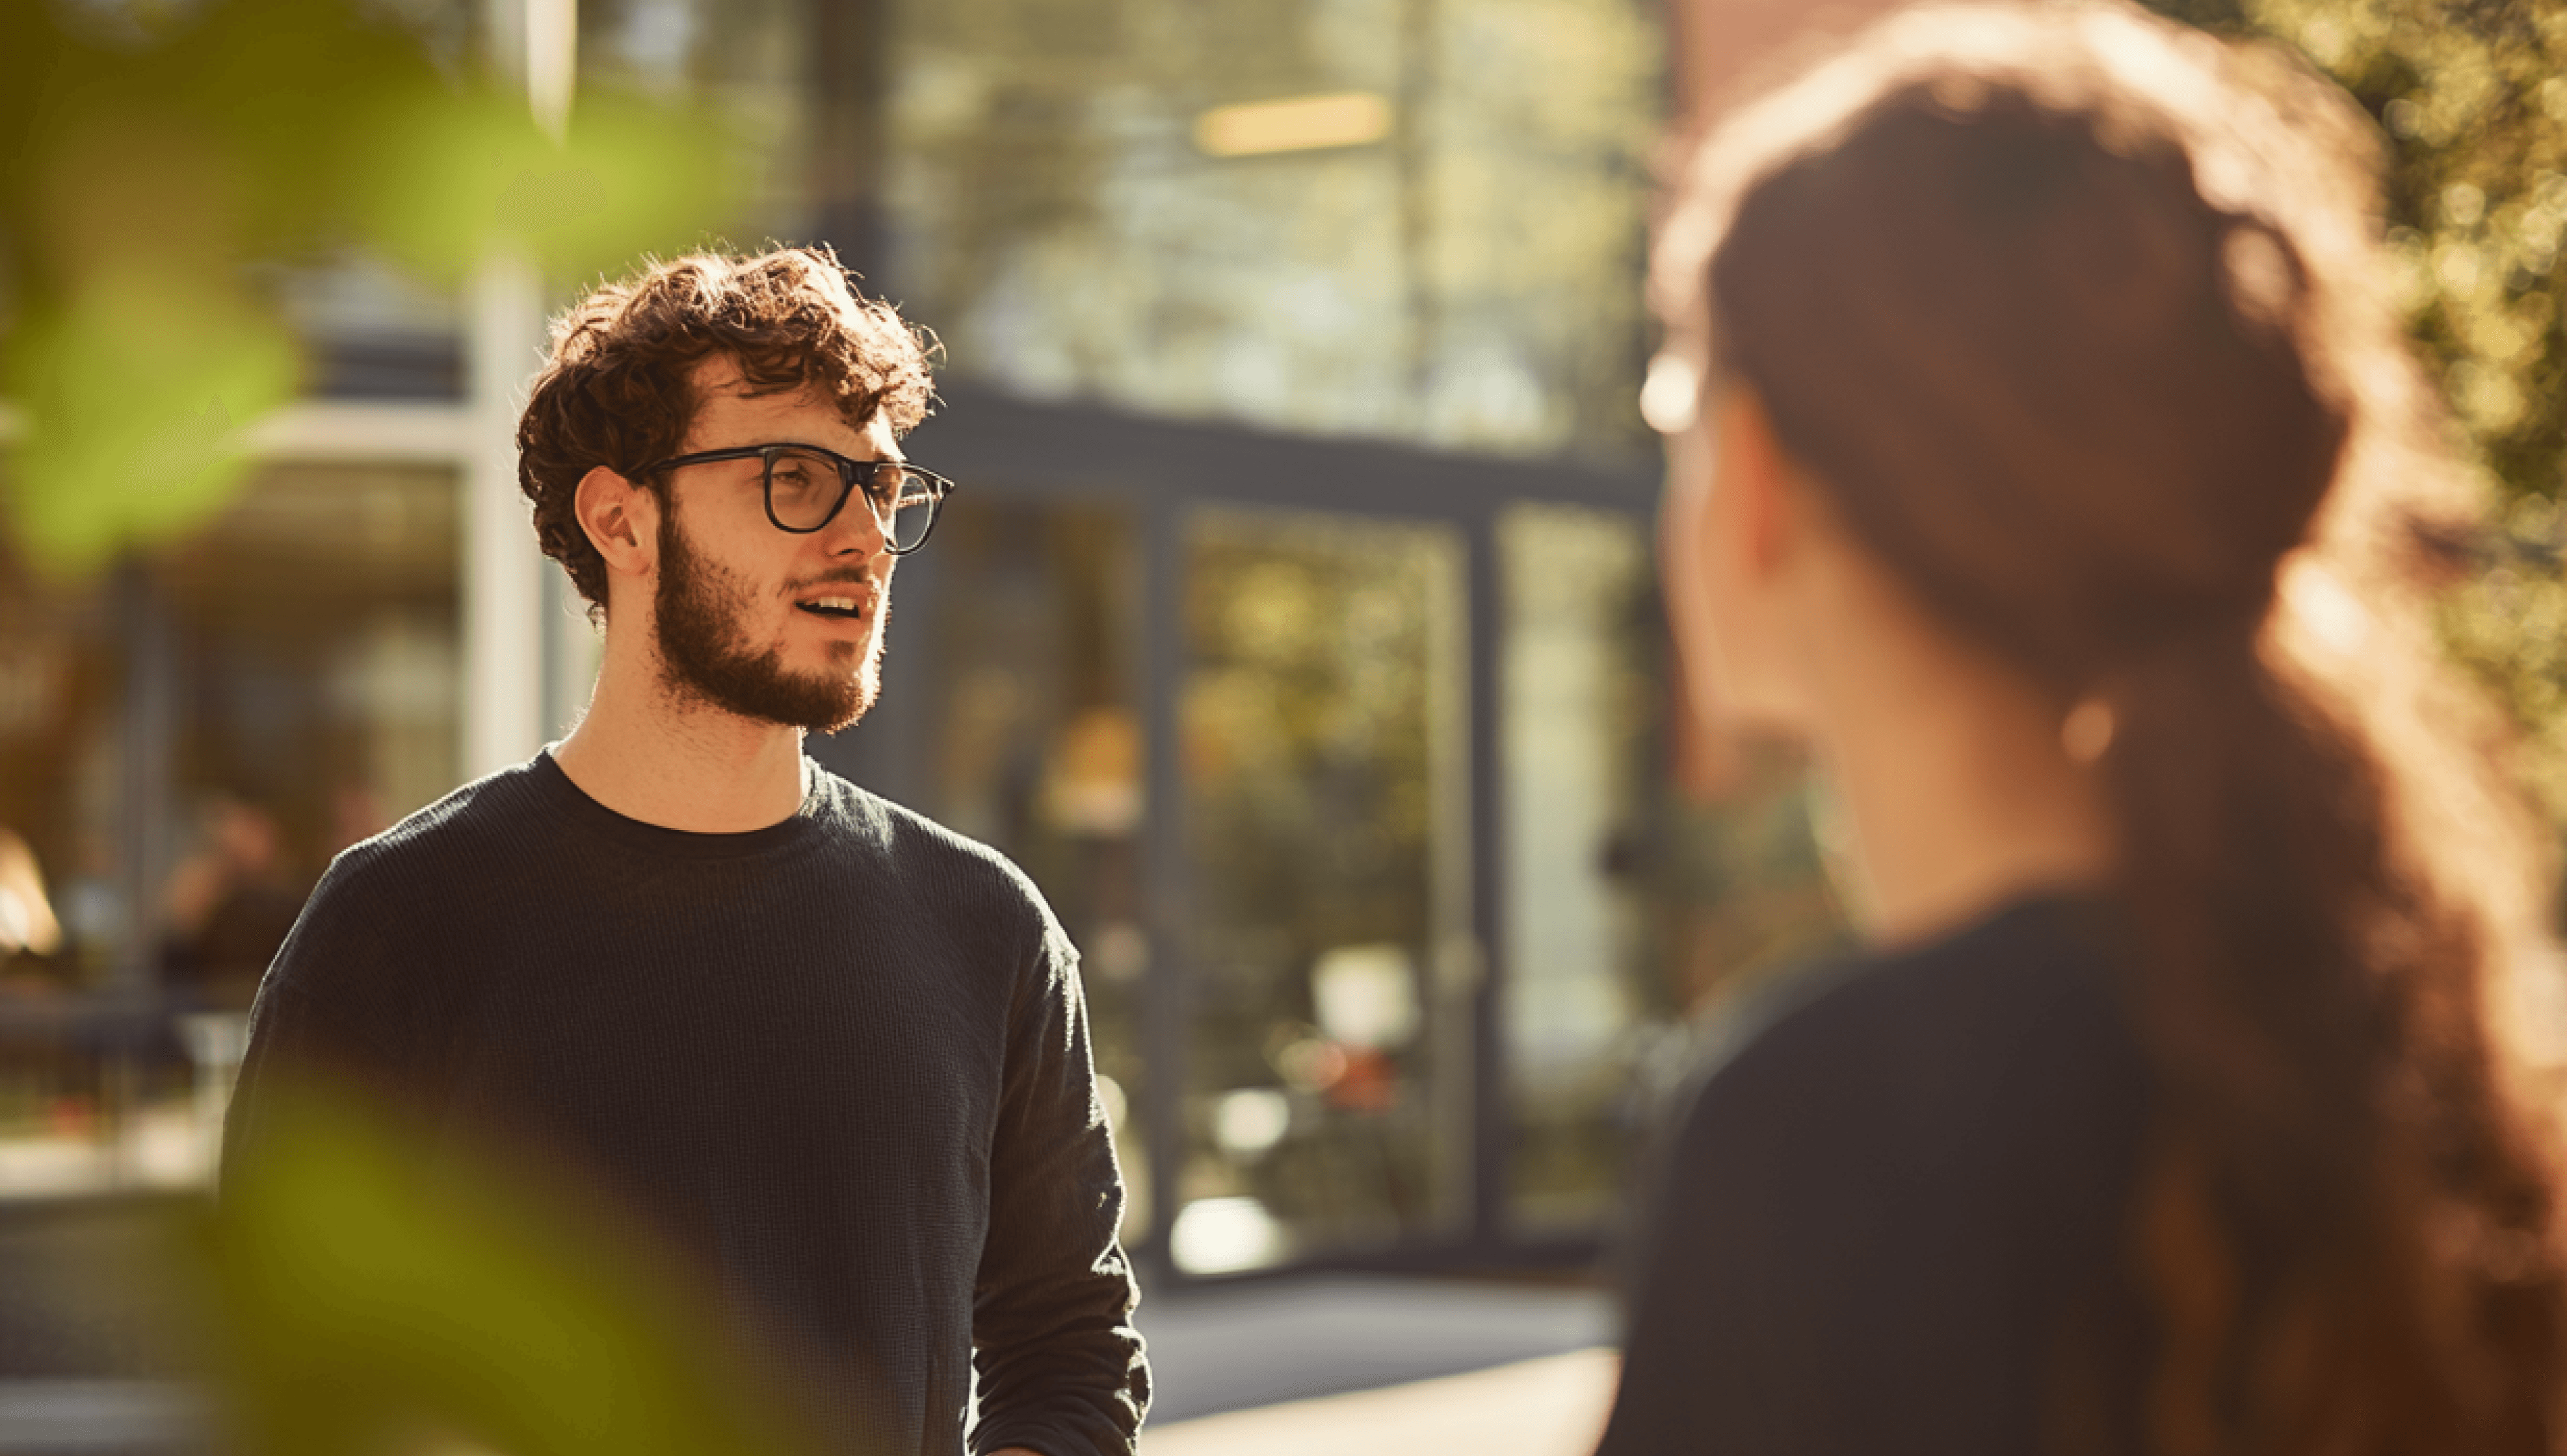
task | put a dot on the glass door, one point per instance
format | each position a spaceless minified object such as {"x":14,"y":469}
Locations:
{"x":1330,"y":972}
{"x":1011,"y":687}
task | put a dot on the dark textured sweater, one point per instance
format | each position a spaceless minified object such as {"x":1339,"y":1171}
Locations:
{"x":1896,"y":1217}
{"x":840,"y":1064}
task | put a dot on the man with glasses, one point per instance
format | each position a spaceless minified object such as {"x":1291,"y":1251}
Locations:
{"x":831,"y":1056}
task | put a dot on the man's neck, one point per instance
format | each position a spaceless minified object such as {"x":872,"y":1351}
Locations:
{"x":678,"y":762}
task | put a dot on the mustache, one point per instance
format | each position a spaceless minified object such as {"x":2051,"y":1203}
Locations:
{"x":856,"y":578}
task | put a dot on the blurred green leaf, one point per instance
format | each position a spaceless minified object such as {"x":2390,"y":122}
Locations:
{"x":148,"y":165}
{"x":372,"y":1297}
{"x":607,"y":196}
{"x":136,"y":386}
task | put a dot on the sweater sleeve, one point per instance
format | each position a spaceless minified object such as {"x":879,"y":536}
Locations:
{"x":1061,"y":1369}
{"x":327,"y":1021}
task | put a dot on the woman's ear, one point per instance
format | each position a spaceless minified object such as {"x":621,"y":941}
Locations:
{"x":1758,"y":509}
{"x":622,"y":521}
{"x":1737,"y":562}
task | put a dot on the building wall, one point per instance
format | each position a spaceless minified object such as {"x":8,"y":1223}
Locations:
{"x":1294,"y":627}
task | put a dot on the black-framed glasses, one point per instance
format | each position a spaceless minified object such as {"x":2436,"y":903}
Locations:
{"x":806,"y":486}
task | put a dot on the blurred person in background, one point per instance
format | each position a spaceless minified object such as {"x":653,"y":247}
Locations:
{"x":832,"y":1055}
{"x":228,"y":905}
{"x":27,"y":920}
{"x":356,"y":815}
{"x":31,"y":935}
{"x":2046,"y":458}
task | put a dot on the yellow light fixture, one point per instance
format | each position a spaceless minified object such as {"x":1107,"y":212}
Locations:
{"x":1295,"y":124}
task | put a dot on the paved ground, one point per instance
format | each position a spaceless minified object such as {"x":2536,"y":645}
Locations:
{"x":1342,"y":1364}
{"x":1552,"y":1406}
{"x":1230,"y":1346}
{"x":1355,"y":1365}
{"x":99,"y":1419}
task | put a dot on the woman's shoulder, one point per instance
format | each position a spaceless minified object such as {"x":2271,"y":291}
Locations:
{"x":1905,"y":1176}
{"x":2000,"y":1032}
{"x":2048,"y":964}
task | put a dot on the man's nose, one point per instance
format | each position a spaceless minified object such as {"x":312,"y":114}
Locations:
{"x":855,"y":530}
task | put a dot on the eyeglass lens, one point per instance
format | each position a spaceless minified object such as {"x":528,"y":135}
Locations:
{"x":803,"y":490}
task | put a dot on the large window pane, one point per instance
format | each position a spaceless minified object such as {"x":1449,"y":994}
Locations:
{"x":1581,"y":703}
{"x":1327,"y":1097}
{"x":61,"y":913}
{"x":1462,"y":269}
{"x":749,"y":61}
{"x":184,"y":742}
{"x":64,"y":926}
{"x":1035,"y":743}
{"x":1632,"y":912}
{"x":315,"y":645}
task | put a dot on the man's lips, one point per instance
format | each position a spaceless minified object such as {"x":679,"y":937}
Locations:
{"x":836,"y":603}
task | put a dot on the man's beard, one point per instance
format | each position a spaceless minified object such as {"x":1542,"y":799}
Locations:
{"x":703,"y":656}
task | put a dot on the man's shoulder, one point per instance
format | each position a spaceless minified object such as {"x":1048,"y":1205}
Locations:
{"x":928,"y":857}
{"x":453,"y":837}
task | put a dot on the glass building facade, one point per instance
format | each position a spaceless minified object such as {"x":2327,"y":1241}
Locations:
{"x":1296,"y":626}
{"x":1064,"y":203}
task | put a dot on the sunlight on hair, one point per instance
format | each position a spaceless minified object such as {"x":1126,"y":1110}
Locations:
{"x":2530,"y":1011}
{"x":2320,"y":604}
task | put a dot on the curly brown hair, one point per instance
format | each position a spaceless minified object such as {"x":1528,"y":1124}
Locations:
{"x":616,"y":390}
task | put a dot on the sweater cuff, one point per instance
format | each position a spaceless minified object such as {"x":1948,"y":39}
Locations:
{"x":1051,"y":1440}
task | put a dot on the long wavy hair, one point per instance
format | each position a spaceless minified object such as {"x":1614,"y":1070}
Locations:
{"x":2080,"y":321}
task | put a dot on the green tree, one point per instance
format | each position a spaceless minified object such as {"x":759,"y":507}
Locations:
{"x":2472,"y":98}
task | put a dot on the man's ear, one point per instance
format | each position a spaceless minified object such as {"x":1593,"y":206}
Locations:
{"x":622,"y":519}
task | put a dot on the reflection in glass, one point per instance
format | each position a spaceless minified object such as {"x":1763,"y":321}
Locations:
{"x":1579,"y":701}
{"x":183,"y":745}
{"x":750,"y":61}
{"x":60,"y":721}
{"x":1327,"y":1043}
{"x":1382,"y":217}
{"x":1038,"y":751}
{"x":315,"y":629}
{"x":1628,"y":910}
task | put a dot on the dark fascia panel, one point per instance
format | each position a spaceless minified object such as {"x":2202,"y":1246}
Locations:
{"x":987,"y":440}
{"x":387,"y":366}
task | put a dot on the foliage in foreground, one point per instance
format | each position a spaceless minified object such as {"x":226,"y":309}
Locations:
{"x":154,"y":159}
{"x":2471,"y":98}
{"x":365,"y":1302}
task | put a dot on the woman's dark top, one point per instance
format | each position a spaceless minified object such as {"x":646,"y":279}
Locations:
{"x":1895,"y":1219}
